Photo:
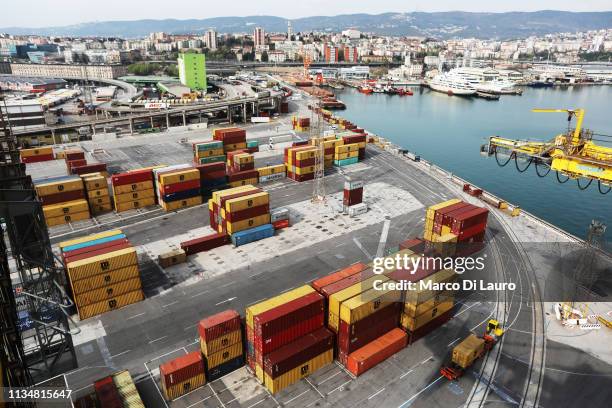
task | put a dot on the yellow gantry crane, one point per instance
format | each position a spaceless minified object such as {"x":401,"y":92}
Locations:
{"x":574,"y":154}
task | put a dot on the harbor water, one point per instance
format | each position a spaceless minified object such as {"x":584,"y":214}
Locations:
{"x":448,"y":130}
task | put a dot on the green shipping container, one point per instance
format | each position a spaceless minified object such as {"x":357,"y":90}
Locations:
{"x":212,"y":159}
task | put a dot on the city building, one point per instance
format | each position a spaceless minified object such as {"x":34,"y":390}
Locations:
{"x":30,"y":84}
{"x":289,"y":31}
{"x":210,"y":39}
{"x":352,"y":33}
{"x":68,"y":70}
{"x":350,"y":54}
{"x":276,"y":56}
{"x":192,"y":70}
{"x":330,"y":53}
{"x":356,"y":73}
{"x":259,"y":37}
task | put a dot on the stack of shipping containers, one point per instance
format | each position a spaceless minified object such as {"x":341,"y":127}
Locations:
{"x":346,"y":154}
{"x":208,"y":152}
{"x":177,"y":188}
{"x":329,"y":147}
{"x":117,"y":390}
{"x":300,"y":124}
{"x":286,"y":337}
{"x":252,"y":146}
{"x":96,"y":188}
{"x":279,"y":217}
{"x":355,"y":138}
{"x":182,"y":375}
{"x":455,"y":228}
{"x":241,"y":168}
{"x":300,"y":162}
{"x":37,"y":154}
{"x":233,"y":138}
{"x":352,"y":199}
{"x":221,"y":343}
{"x":271,"y":173}
{"x":74,"y":158}
{"x":133,"y":189}
{"x":213,"y":177}
{"x":63,"y":200}
{"x":246,"y":218}
{"x":103,"y":272}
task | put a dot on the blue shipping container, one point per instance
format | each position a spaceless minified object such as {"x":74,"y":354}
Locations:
{"x":346,"y":162}
{"x":212,"y":159}
{"x":213,"y":183}
{"x":93,"y":242}
{"x":252,"y":234}
{"x":252,"y":143}
{"x":213,"y":144}
{"x":181,"y":195}
{"x":224,"y":369}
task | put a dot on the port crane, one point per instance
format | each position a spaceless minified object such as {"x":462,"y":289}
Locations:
{"x":572,"y":155}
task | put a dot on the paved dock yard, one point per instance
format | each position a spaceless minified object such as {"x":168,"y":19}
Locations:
{"x":524,"y":366}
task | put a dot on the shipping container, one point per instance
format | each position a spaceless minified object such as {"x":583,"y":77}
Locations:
{"x":105,"y":279}
{"x":338,"y":275}
{"x":468,"y":350}
{"x":356,"y":335}
{"x":186,"y":372}
{"x":117,"y":302}
{"x":249,"y":223}
{"x":119,"y":246}
{"x":414,"y":323}
{"x":132,"y":177}
{"x":223,"y":356}
{"x":261,"y":307}
{"x":278,"y":214}
{"x":131,"y":187}
{"x":205,"y":243}
{"x":336,"y":300}
{"x":88,"y":168}
{"x":172,"y":258}
{"x":70,"y":207}
{"x":37,"y":159}
{"x":65,"y":219}
{"x":431,"y":211}
{"x":218,"y":325}
{"x":62,"y":186}
{"x":107,"y":393}
{"x":102,"y":263}
{"x":370,"y":301}
{"x":95,"y":183}
{"x":107,"y":292}
{"x":77,"y":243}
{"x":95,"y":247}
{"x":133,"y":196}
{"x":274,"y":385}
{"x":224,"y":341}
{"x":245,"y":214}
{"x":127,"y":389}
{"x":280,"y":224}
{"x":376,"y":352}
{"x":62,"y":197}
{"x":420,"y":294}
{"x":182,"y":186}
{"x":413,"y":309}
{"x":178,"y":176}
{"x":35,"y":151}
{"x":134,"y":205}
{"x":221,"y":370}
{"x":336,"y":287}
{"x":101,"y":192}
{"x":176,"y":205}
{"x":429,"y":327}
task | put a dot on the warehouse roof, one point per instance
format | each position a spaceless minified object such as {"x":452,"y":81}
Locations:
{"x":31,"y":80}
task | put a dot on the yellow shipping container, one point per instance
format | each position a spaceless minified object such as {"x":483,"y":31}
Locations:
{"x":428,"y":235}
{"x":303,"y":370}
{"x":36,"y":151}
{"x":268,"y":170}
{"x":107,"y":292}
{"x":104,"y":279}
{"x":413,"y":309}
{"x":248,"y":201}
{"x":45,"y":189}
{"x":99,"y":264}
{"x":101,"y":192}
{"x":65,"y":219}
{"x":104,"y":201}
{"x":304,"y":170}
{"x":446,"y":238}
{"x":259,"y":373}
{"x":223,"y":356}
{"x":127,"y":389}
{"x":209,"y":153}
{"x":446,"y":230}
{"x":179,"y":176}
{"x":131,"y":205}
{"x":69,"y":207}
{"x":258,"y":308}
{"x":237,"y":226}
{"x":128,"y":188}
{"x":216,"y":195}
{"x":175,"y":205}
{"x":133,"y":196}
{"x":353,"y":147}
{"x":220,"y":343}
{"x":347,"y":155}
{"x":95,"y":183}
{"x":104,"y":306}
{"x":245,"y":182}
{"x":243,"y":158}
{"x":468,"y":350}
{"x":100,"y":208}
{"x":88,"y":238}
{"x":172,"y":392}
{"x":420,"y":295}
{"x":338,"y":298}
{"x":306,"y":154}
{"x":413,"y":323}
{"x":366,"y":303}
{"x":234,"y":146}
{"x":431,"y":211}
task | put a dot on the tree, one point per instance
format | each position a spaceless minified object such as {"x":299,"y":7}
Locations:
{"x":143,"y":68}
{"x":171,"y":70}
{"x":264,"y":56}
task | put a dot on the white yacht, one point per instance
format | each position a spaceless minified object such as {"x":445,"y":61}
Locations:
{"x":452,"y":84}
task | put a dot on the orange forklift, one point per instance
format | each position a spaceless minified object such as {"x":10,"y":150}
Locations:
{"x":470,"y":349}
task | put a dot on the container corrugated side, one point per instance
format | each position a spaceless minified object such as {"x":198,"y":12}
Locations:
{"x":233,"y":227}
{"x":219,"y":324}
{"x":172,"y":392}
{"x":366,"y":303}
{"x":376,"y":352}
{"x":107,"y":292}
{"x":216,"y":359}
{"x":70,"y":207}
{"x":468,"y":350}
{"x":181,"y":368}
{"x":102,"y":263}
{"x":303,"y":370}
{"x":268,"y":304}
{"x":63,"y":186}
{"x":128,"y":188}
{"x":133,"y":196}
{"x":220,"y":343}
{"x":413,"y":309}
{"x":414,"y":323}
{"x":335,"y":300}
{"x":64,"y":219}
{"x":133,"y":205}
{"x":118,"y":302}
{"x":104,"y":279}
{"x":90,"y":240}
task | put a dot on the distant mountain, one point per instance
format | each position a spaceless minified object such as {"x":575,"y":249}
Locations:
{"x":440,"y":25}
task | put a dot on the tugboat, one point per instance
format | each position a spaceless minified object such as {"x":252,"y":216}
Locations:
{"x":365,"y":90}
{"x":404,"y":92}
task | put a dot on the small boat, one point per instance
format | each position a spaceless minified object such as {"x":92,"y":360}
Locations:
{"x":365,"y":90}
{"x":487,"y":95}
{"x":403,"y":92}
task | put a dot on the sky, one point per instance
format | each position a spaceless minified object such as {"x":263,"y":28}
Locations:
{"x":49,"y":13}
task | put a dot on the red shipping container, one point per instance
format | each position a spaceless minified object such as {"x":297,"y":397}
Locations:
{"x":293,"y":354}
{"x":299,"y":143}
{"x":242,"y":175}
{"x":182,"y":368}
{"x":230,"y":155}
{"x":416,"y":245}
{"x":62,"y":197}
{"x":232,"y":138}
{"x":247,"y":213}
{"x":280,"y":224}
{"x":89,"y":168}
{"x":218,"y":325}
{"x":356,"y":335}
{"x":74,"y":156}
{"x":132,"y":177}
{"x":305,"y":162}
{"x":237,"y":167}
{"x":362,"y":153}
{"x":283,"y":317}
{"x":468,"y":233}
{"x":213,"y":175}
{"x":329,"y":290}
{"x":107,"y":393}
{"x":109,"y":246}
{"x":468,"y":219}
{"x":176,"y":187}
{"x":76,"y":163}
{"x":430,"y":326}
{"x":376,"y":352}
{"x":206,"y":243}
{"x":97,"y":252}
{"x":354,"y":139}
{"x":39,"y":158}
{"x":241,"y":194}
{"x":265,"y":345}
{"x":439,"y":215}
{"x":352,"y":197}
{"x":338,"y":275}
{"x":210,"y":167}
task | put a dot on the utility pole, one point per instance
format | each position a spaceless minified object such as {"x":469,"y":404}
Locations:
{"x":316,"y":131}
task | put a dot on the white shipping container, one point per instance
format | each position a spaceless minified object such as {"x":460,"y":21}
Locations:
{"x":357,"y":209}
{"x":353,"y":185}
{"x":260,"y":119}
{"x":272,"y":177}
{"x":279,"y":214}
{"x":281,"y":139}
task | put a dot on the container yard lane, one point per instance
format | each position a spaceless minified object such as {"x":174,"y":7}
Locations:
{"x":141,"y":336}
